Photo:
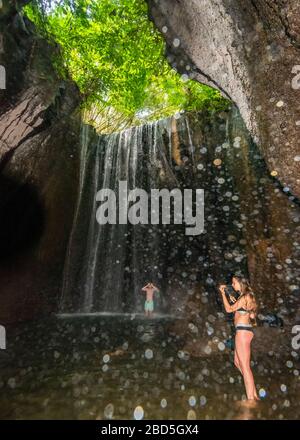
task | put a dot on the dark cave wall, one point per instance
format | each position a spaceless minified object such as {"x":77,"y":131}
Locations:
{"x":39,"y":169}
{"x":38,"y":195}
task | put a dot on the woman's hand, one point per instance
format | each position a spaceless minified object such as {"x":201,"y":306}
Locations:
{"x":222,"y":289}
{"x":232,"y":298}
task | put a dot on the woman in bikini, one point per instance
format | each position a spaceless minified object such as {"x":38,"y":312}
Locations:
{"x":245,"y":311}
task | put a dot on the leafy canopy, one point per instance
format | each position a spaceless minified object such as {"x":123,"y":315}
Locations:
{"x":116,"y":56}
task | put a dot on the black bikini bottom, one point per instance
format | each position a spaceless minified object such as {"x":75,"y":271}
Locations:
{"x":241,"y":327}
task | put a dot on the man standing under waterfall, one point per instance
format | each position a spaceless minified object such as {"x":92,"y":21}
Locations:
{"x":149,"y":306}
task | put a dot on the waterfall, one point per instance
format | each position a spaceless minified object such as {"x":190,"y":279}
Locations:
{"x":107,"y":265}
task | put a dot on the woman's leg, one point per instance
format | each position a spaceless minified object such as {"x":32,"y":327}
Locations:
{"x":243,"y":349}
{"x":236,"y":361}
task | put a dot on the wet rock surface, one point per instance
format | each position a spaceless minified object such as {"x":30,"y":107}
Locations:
{"x":250,"y":51}
{"x":39,"y":149}
{"x":68,"y":369}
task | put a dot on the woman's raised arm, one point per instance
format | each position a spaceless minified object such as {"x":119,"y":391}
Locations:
{"x":231,"y":308}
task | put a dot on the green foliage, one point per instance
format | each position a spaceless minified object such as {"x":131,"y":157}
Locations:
{"x":116,"y":56}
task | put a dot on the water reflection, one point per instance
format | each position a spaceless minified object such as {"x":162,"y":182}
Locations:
{"x":113,"y":367}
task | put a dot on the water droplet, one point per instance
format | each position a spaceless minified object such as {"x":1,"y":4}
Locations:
{"x":191,"y":415}
{"x":221,"y":346}
{"x":138,"y":413}
{"x":148,"y":353}
{"x":12,"y":382}
{"x":106,"y":358}
{"x":109,"y":411}
{"x":192,"y":401}
{"x":176,"y":42}
{"x":163,"y":403}
{"x":262,"y":393}
{"x":203,"y":400}
{"x":217,"y":162}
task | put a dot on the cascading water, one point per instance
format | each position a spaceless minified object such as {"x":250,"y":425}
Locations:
{"x":107,"y":265}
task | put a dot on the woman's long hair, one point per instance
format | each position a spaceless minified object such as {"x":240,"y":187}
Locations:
{"x":248,"y":294}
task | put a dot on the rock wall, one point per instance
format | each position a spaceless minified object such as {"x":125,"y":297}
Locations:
{"x":39,"y":145}
{"x":250,"y":51}
{"x":251,"y":225}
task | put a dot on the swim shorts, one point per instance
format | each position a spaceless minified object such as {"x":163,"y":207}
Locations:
{"x":149,"y":306}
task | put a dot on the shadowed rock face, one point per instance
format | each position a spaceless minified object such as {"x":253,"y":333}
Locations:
{"x":250,"y":51}
{"x":39,"y":145}
{"x":34,"y":97}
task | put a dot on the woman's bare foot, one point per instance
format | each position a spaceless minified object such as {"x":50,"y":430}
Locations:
{"x":249,"y":403}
